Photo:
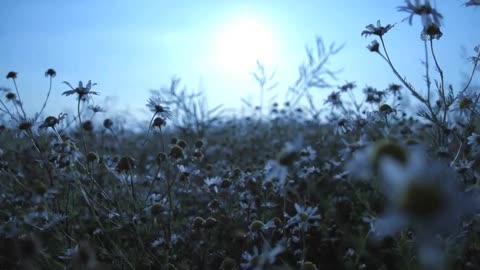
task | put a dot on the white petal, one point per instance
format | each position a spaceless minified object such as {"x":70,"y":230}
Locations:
{"x":389,"y":224}
{"x":394,"y":176}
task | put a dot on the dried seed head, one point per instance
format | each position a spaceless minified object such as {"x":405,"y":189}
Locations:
{"x":11,"y":75}
{"x":10,"y":96}
{"x":50,"y":121}
{"x":287,"y":158}
{"x":159,"y":122}
{"x":236,"y":172}
{"x":161,"y":157}
{"x":226,"y":183}
{"x":50,"y":73}
{"x":87,"y":126}
{"x":385,"y":108}
{"x":256,"y":226}
{"x":198,"y":222}
{"x":182,"y":144}
{"x":176,"y":152}
{"x":394,"y":87}
{"x":199,"y":144}
{"x":173,"y":140}
{"x":156,"y":209}
{"x":374,"y":46}
{"x":107,"y":123}
{"x":210,"y":223}
{"x":25,"y":125}
{"x":92,"y":157}
{"x":214,"y":205}
{"x":125,"y":164}
{"x":197,"y":154}
{"x":209,"y":167}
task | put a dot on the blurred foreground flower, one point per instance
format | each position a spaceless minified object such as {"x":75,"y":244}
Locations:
{"x":425,"y":11}
{"x":473,"y":3}
{"x":423,"y":195}
{"x":260,"y":259}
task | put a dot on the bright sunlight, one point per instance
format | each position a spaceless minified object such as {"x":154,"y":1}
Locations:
{"x":240,"y":43}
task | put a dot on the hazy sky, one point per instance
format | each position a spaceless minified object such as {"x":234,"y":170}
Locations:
{"x":130,"y":47}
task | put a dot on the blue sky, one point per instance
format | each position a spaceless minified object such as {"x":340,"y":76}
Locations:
{"x":130,"y":47}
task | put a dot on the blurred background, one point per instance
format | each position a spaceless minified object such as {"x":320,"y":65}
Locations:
{"x":132,"y":47}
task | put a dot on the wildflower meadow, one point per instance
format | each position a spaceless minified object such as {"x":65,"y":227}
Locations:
{"x":358,"y":180}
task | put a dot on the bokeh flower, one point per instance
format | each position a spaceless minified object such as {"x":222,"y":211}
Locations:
{"x":472,"y":3}
{"x":424,"y":195}
{"x":425,"y":11}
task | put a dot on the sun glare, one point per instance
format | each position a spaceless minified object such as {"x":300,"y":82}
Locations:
{"x":240,"y":43}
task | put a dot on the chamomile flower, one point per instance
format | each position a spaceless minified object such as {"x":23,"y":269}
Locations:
{"x":212,"y":183}
{"x":341,"y":126}
{"x":154,"y":104}
{"x":305,"y":217}
{"x":425,"y":11}
{"x":378,"y":30}
{"x":259,"y":259}
{"x":365,"y":162}
{"x":423,"y":195}
{"x":278,"y":168}
{"x":83,"y":92}
{"x":334,"y":99}
{"x":474,"y":142}
{"x":464,"y":104}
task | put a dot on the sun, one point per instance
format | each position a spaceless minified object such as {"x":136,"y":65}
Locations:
{"x":240,"y":43}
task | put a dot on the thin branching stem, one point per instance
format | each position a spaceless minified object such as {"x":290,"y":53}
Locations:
{"x":427,"y":70}
{"x":80,"y":127}
{"x":46,"y":99}
{"x":442,"y":83}
{"x":19,"y":99}
{"x":470,"y":79}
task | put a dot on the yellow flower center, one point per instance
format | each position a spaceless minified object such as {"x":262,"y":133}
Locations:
{"x":388,"y":149}
{"x":423,"y":200}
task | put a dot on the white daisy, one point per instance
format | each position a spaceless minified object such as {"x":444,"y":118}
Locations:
{"x":423,"y":195}
{"x":474,"y":142}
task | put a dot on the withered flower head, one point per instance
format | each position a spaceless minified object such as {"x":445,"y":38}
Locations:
{"x":50,"y":73}
{"x":12,"y":75}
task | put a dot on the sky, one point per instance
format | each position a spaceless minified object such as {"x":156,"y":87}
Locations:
{"x":130,"y":47}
